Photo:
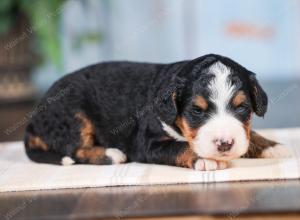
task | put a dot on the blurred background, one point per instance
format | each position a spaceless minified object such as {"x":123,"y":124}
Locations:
{"x":40,"y":41}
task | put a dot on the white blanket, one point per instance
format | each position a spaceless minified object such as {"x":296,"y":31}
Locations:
{"x":18,"y":173}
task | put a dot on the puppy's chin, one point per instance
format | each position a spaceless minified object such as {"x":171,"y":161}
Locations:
{"x":223,"y":157}
{"x":204,"y":146}
{"x":210,"y":152}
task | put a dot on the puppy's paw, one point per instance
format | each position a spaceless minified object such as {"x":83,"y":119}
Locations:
{"x":278,"y":151}
{"x":209,"y":165}
{"x":115,"y":155}
{"x":67,"y":161}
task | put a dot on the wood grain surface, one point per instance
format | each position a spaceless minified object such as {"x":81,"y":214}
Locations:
{"x":230,"y":200}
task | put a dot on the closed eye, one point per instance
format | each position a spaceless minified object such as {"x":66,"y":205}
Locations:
{"x":242,"y":107}
{"x":197,"y":110}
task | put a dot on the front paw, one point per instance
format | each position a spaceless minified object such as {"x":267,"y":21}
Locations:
{"x":278,"y":151}
{"x":209,"y":165}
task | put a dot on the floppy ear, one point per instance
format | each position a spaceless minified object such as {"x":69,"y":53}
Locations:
{"x":166,"y":103}
{"x":259,"y":98}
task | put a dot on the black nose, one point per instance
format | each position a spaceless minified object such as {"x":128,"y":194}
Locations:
{"x":224,"y":145}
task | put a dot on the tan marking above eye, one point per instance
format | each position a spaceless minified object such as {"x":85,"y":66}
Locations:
{"x":201,"y":102}
{"x":239,"y":98}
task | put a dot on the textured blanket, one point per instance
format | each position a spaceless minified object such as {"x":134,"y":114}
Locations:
{"x":18,"y":173}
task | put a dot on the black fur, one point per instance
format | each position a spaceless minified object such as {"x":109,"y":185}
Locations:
{"x":125,"y":102}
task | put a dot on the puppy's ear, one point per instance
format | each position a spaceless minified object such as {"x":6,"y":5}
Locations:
{"x":167,"y":100}
{"x":259,"y":98}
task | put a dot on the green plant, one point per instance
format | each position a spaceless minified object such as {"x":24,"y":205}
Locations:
{"x":43,"y":16}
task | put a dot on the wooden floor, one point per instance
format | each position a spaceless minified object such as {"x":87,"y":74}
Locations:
{"x":226,"y":200}
{"x":245,"y":217}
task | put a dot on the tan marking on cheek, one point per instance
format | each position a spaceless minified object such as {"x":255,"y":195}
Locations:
{"x":247,"y":127}
{"x":188,"y":132}
{"x":201,"y":102}
{"x":186,"y":158}
{"x":239,"y":98}
{"x":37,"y":143}
{"x":87,"y":131}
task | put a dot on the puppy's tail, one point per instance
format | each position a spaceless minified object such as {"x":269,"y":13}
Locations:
{"x":40,"y":155}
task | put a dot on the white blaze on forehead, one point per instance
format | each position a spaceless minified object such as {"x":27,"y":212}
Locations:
{"x":222,"y":125}
{"x":221,"y":87}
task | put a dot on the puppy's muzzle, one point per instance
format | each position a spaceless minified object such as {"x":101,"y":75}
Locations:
{"x":223,"y":144}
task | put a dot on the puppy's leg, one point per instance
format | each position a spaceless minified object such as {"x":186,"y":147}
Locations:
{"x":265,"y":148}
{"x":88,"y":153}
{"x":176,"y":153}
{"x":67,"y":145}
{"x":100,"y":156}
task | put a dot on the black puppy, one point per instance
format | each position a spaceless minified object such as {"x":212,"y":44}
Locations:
{"x":194,"y":114}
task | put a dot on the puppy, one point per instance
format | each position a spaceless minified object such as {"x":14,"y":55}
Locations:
{"x":195,"y":114}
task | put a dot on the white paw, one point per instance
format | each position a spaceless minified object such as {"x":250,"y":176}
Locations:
{"x":278,"y":151}
{"x":208,"y":165}
{"x":115,"y":155}
{"x":67,"y":161}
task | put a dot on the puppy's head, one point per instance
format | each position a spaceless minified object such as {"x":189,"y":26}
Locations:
{"x":214,"y":107}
